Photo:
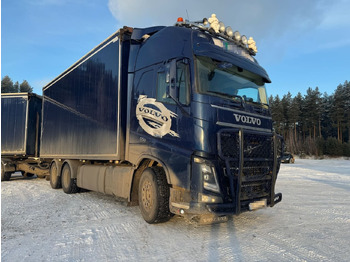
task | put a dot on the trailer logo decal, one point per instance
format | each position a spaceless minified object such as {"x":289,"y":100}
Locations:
{"x":154,"y":117}
{"x":247,"y":119}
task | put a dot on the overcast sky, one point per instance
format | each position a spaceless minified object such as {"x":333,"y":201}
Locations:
{"x":301,"y":43}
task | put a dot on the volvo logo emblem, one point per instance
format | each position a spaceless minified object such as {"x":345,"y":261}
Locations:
{"x":250,"y":149}
{"x":247,"y":119}
{"x":154,"y":117}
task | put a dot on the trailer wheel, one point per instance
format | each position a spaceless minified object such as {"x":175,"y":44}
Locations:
{"x":5,"y":176}
{"x":154,"y":196}
{"x":55,"y":180}
{"x":69,"y":184}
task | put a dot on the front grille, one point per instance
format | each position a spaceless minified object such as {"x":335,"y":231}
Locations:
{"x":254,"y":145}
{"x":229,"y":144}
{"x":257,"y":146}
{"x":251,"y":167}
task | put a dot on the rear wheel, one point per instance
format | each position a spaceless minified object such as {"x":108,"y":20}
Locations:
{"x":55,"y":180}
{"x":154,"y":196}
{"x":69,"y":184}
{"x":5,"y":176}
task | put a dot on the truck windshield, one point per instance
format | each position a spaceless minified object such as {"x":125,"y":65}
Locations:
{"x":223,"y":79}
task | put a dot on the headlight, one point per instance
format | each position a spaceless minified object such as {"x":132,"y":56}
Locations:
{"x":209,"y":176}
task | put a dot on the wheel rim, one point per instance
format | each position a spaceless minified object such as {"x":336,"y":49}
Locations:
{"x":147,"y":195}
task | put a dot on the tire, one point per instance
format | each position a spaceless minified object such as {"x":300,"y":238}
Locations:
{"x":154,"y":196}
{"x":69,"y":184}
{"x":55,"y":179}
{"x":5,"y":176}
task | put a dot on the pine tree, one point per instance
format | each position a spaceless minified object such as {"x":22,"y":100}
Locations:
{"x":294,"y":116}
{"x":286,"y":103}
{"x":16,"y":87}
{"x":338,"y":111}
{"x":326,"y":118}
{"x":25,"y":87}
{"x":7,"y":85}
{"x":277,"y":113}
{"x":312,"y":110}
{"x":346,"y":94}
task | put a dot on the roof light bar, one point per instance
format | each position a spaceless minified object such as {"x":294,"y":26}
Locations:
{"x":217,"y":28}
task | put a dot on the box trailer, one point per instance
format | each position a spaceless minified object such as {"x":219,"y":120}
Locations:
{"x":20,"y":135}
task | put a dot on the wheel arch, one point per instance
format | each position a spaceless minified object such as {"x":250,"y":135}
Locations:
{"x":59,"y":165}
{"x":73,"y":165}
{"x":144,"y":162}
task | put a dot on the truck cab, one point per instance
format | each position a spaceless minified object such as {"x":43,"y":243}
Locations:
{"x":199,"y":108}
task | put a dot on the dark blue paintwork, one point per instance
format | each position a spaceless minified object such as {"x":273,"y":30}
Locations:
{"x":198,"y":129}
{"x":94,"y":110}
{"x":20,"y":124}
{"x":80,"y":111}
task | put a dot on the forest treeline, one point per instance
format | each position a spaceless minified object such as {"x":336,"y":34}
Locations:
{"x":7,"y":86}
{"x":314,"y":124}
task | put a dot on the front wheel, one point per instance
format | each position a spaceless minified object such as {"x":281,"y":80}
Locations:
{"x":154,"y":196}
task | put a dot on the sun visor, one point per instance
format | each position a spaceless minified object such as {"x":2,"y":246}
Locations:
{"x":217,"y":53}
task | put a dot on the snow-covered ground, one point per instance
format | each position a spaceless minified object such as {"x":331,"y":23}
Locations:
{"x":312,"y":223}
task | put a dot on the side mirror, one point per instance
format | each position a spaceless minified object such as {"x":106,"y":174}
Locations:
{"x":172,"y":90}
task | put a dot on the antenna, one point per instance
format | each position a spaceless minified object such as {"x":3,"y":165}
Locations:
{"x":188,"y":17}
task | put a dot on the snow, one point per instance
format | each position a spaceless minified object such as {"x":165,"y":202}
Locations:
{"x":312,"y":223}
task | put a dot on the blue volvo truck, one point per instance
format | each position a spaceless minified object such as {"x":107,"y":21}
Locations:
{"x":172,"y":118}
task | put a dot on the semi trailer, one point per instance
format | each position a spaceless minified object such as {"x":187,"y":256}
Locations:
{"x":20,"y":135}
{"x":172,"y":118}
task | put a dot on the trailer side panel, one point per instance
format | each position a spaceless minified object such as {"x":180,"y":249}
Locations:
{"x":80,"y":111}
{"x":13,"y":124}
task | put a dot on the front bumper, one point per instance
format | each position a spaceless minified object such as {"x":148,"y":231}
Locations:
{"x":246,"y":172}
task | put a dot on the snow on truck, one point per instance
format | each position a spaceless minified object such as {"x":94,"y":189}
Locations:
{"x":172,"y":118}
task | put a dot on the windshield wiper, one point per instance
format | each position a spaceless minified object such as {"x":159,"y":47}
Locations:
{"x":258,"y":103}
{"x":229,"y":96}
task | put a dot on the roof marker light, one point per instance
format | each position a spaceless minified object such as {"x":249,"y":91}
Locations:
{"x":180,"y":20}
{"x":244,"y":40}
{"x":236,"y":36}
{"x":229,"y":32}
{"x":222,"y":27}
